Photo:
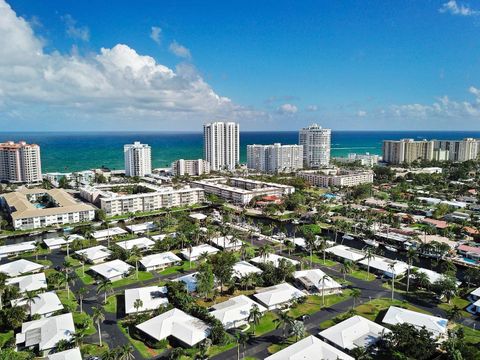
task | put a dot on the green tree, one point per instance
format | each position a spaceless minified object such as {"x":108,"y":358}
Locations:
{"x":222,"y":263}
{"x":106,"y":287}
{"x":98,"y":318}
{"x":205,"y":279}
{"x":356,"y":293}
{"x":284,"y":321}
{"x":254,"y":316}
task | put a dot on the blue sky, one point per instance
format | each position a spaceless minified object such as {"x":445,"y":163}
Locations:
{"x":267,"y":64}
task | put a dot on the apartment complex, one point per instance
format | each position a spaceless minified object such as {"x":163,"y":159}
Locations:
{"x":366,"y":159}
{"x":221,"y":145}
{"x":316,"y":144}
{"x":20,"y":162}
{"x":190,"y":167}
{"x":336,"y":177}
{"x":275,"y":158}
{"x":138,"y":159}
{"x":240,"y":190}
{"x":409,"y":150}
{"x":146,"y":197}
{"x":37,"y":208}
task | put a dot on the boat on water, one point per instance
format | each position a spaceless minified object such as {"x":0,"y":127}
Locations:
{"x":371,"y":242}
{"x":35,"y":233}
{"x":295,"y":222}
{"x":391,"y":248}
{"x":347,"y":237}
{"x":52,"y":231}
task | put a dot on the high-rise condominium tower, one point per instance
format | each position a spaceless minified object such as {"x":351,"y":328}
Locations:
{"x":138,"y":159}
{"x":20,"y":162}
{"x":316,"y":146}
{"x":275,"y":158}
{"x":221,"y":145}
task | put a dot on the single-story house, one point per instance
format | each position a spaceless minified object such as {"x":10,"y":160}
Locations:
{"x":195,"y":252}
{"x":345,"y":253}
{"x":198,"y":216}
{"x":142,"y":244}
{"x":101,"y":235}
{"x":278,"y":296}
{"x":159,"y":261}
{"x":31,"y":282}
{"x":312,"y":281}
{"x":470,"y":252}
{"x":383,"y":265}
{"x":434,"y":324}
{"x":235,"y":311}
{"x":432,"y":275}
{"x":95,"y":254}
{"x":70,"y":354}
{"x":439,"y":224}
{"x":142,"y":228}
{"x":475,"y":298}
{"x":160,"y":237}
{"x":152,"y":298}
{"x":244,"y":268}
{"x":58,"y":242}
{"x":310,"y":348}
{"x":353,"y":332}
{"x":273,"y":258}
{"x":44,"y":334}
{"x":176,"y":324}
{"x":20,"y":267}
{"x":113,"y":270}
{"x":226,"y":243}
{"x":15,"y":249}
{"x":44,"y":304}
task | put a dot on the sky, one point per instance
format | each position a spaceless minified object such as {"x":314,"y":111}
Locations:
{"x":269,"y":65}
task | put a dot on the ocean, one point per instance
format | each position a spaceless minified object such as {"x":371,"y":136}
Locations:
{"x":74,"y":151}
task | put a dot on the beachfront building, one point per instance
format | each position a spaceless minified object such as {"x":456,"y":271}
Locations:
{"x":234,"y":312}
{"x":337,"y":177}
{"x":138,"y":159}
{"x":366,"y":159}
{"x":316,"y":144}
{"x":240,"y":190}
{"x":197,"y":167}
{"x":20,"y":162}
{"x":278,"y":296}
{"x":276,"y":158}
{"x":152,"y":297}
{"x":37,"y":208}
{"x":221,"y":145}
{"x":142,"y":197}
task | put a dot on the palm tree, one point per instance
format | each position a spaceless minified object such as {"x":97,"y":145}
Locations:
{"x":298,"y":329}
{"x":346,"y":268}
{"x":126,"y":352}
{"x":254,"y":316}
{"x":243,"y":250}
{"x":203,"y":257}
{"x":105,"y":285}
{"x":81,"y":295}
{"x":361,"y":353}
{"x":78,"y":337}
{"x":411,"y":256}
{"x":355,"y":296}
{"x":264,"y":251}
{"x":137,"y":304}
{"x":241,"y":339}
{"x":324,"y":278}
{"x":30,"y":298}
{"x":98,"y":317}
{"x":247,"y":281}
{"x":83,"y":260}
{"x":176,"y":353}
{"x":284,"y":321}
{"x":369,"y":255}
{"x":63,"y":345}
{"x":135,"y":257}
{"x":289,"y":245}
{"x":3,"y":287}
{"x":391,"y":267}
{"x":454,"y":313}
{"x":311,"y":243}
{"x":38,"y":247}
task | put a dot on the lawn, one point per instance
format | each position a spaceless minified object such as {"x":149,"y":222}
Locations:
{"x":87,"y":279}
{"x":132,"y":279}
{"x":458,"y":301}
{"x":178,"y":268}
{"x":362,"y":275}
{"x":318,"y":259}
{"x":143,"y":349}
{"x":5,"y":337}
{"x":314,"y":303}
{"x":79,"y":318}
{"x":471,"y":336}
{"x":93,"y":350}
{"x":72,"y":261}
{"x":46,"y":263}
{"x":69,"y":303}
{"x":218,"y":349}
{"x":111,"y":305}
{"x":266,"y":324}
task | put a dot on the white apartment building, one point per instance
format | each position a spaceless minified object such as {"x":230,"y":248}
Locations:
{"x":221,"y":145}
{"x":459,"y":150}
{"x":190,"y":167}
{"x":275,"y":158}
{"x":20,"y":162}
{"x":153,"y":199}
{"x":366,"y":159}
{"x":335,"y":177}
{"x":316,"y":146}
{"x":138,"y":159}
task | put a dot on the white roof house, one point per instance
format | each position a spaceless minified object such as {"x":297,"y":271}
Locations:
{"x":101,"y":235}
{"x":356,"y":331}
{"x":278,"y":295}
{"x":46,"y":332}
{"x":56,"y":243}
{"x":71,"y":354}
{"x":142,"y":244}
{"x":190,"y":280}
{"x":476,"y":293}
{"x":235,"y":311}
{"x":434,"y":324}
{"x":300,"y":242}
{"x":198,"y":216}
{"x":160,"y":237}
{"x":141,"y":228}
{"x":383,"y":264}
{"x":432,"y":275}
{"x":273,"y":258}
{"x":43,"y":304}
{"x":244,"y":268}
{"x":312,"y":280}
{"x":197,"y":251}
{"x":95,"y":254}
{"x":20,"y":267}
{"x":7,"y":250}
{"x":226,"y":242}
{"x":152,"y":298}
{"x":159,"y":261}
{"x":113,"y":270}
{"x":177,"y":324}
{"x":30,"y":282}
{"x":346,"y":252}
{"x":310,"y":348}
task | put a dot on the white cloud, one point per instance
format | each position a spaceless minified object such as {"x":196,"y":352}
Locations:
{"x":312,"y":108}
{"x":454,"y":8}
{"x":74,"y":31}
{"x":361,"y":113}
{"x":116,"y":85}
{"x":287,"y":109}
{"x":156,"y":34}
{"x":179,"y":50}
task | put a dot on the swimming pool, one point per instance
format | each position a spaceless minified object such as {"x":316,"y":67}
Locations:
{"x":470,"y":261}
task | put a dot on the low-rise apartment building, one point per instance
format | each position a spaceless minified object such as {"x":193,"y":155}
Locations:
{"x":190,"y":167}
{"x":334,"y":177}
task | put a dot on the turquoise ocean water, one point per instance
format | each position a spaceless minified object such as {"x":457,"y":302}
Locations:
{"x":73,"y":151}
